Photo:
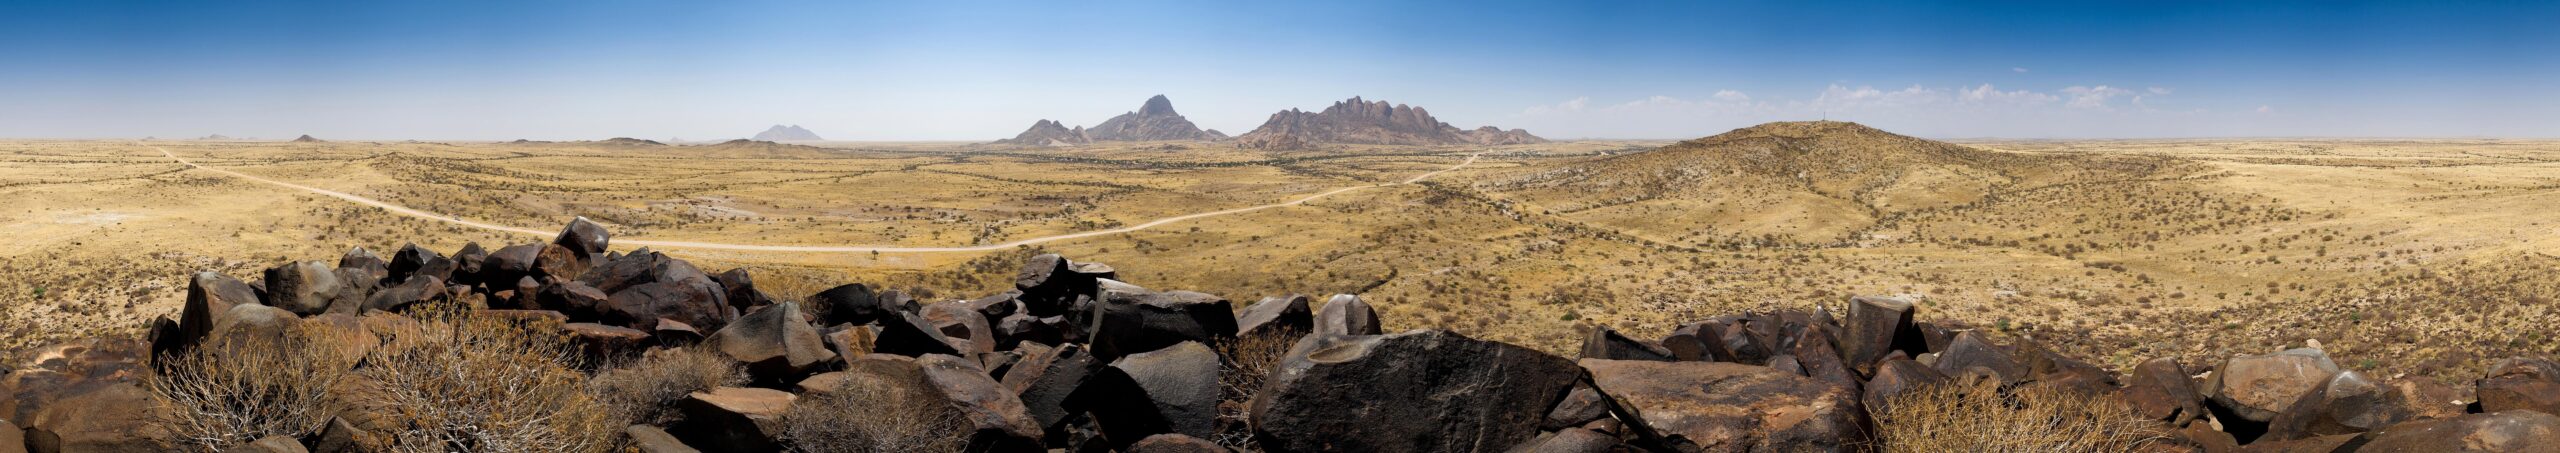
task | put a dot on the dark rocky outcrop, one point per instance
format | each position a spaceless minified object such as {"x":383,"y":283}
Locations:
{"x":775,"y":343}
{"x":1173,"y":390}
{"x":1420,"y":391}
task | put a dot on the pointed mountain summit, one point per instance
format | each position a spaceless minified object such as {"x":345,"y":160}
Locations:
{"x":306,"y":138}
{"x":1358,"y":121}
{"x":1154,"y":121}
{"x":792,"y":133}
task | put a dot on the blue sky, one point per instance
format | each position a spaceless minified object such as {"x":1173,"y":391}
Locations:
{"x":985,"y":70}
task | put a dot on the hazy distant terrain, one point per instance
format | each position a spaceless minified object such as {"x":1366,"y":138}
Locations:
{"x":2437,"y":252}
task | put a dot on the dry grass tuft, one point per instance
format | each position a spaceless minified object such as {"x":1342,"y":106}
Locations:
{"x":1244,"y":364}
{"x":462,"y":382}
{"x":868,"y":417}
{"x":252,"y":387}
{"x":646,"y":391}
{"x":1982,"y":418}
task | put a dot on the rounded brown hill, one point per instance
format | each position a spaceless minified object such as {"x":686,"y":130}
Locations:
{"x":1806,"y":181}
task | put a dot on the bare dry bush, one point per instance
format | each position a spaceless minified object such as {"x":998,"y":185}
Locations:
{"x":463,"y":382}
{"x":251,"y":387}
{"x":1244,"y":364}
{"x":1980,"y":417}
{"x":868,"y":417}
{"x":646,"y":391}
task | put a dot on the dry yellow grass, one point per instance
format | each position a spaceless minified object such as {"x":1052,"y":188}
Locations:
{"x":2409,"y":252}
{"x":1980,"y":417}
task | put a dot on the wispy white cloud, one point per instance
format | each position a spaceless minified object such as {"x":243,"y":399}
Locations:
{"x":1731,"y":96}
{"x":1571,"y":105}
{"x":2018,"y":70}
{"x":1985,"y":94}
{"x":2092,"y":97}
{"x":2266,"y":109}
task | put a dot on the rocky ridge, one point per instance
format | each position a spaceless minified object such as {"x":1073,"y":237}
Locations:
{"x":1357,"y":121}
{"x":1074,"y":358}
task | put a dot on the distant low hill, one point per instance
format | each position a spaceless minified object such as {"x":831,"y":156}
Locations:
{"x":1813,"y":179}
{"x":792,"y":133}
{"x":307,"y":139}
{"x":1357,"y":121}
{"x":1048,"y":133}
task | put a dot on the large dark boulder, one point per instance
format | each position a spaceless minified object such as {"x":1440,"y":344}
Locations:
{"x":775,"y":343}
{"x":208,"y":295}
{"x":1286,"y":316}
{"x":1894,"y":378}
{"x":908,"y":334}
{"x":1346,"y":314}
{"x":2509,"y":431}
{"x":1051,"y":284}
{"x":1420,"y":391}
{"x":1878,"y":326}
{"x":304,"y":288}
{"x":1698,"y":342}
{"x":638,"y":268}
{"x":737,"y":419}
{"x":853,"y":303}
{"x":1171,"y":390}
{"x":417,"y":291}
{"x":674,"y":290}
{"x":1606,"y":343}
{"x":584,"y":239}
{"x":574,"y":298}
{"x":1813,"y":350}
{"x":2160,"y":390}
{"x":412,"y":260}
{"x":1970,"y":353}
{"x":1130,"y":322}
{"x":507,"y":264}
{"x":120,"y":418}
{"x":469,"y":263}
{"x":742,"y":289}
{"x":2257,"y":387}
{"x":2347,"y":403}
{"x":1044,"y":378}
{"x":1706,"y":406}
{"x":373,"y":265}
{"x":2521,"y":383}
{"x":958,"y":321}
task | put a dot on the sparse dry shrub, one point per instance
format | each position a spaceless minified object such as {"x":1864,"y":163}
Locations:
{"x":646,"y":390}
{"x":220,"y":396}
{"x":873,"y":417}
{"x":463,"y":382}
{"x":1981,"y":417}
{"x":1244,"y":364}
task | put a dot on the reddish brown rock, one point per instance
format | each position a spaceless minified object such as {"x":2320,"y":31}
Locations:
{"x":739,"y":419}
{"x":2257,"y":387}
{"x":2510,"y":431}
{"x":1702,"y":406}
{"x":2521,"y":383}
{"x":2160,"y":390}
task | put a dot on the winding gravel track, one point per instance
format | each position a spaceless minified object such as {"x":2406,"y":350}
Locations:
{"x":404,"y":210}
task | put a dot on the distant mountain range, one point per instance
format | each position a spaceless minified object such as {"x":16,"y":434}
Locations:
{"x":1353,"y":121}
{"x":1153,"y":121}
{"x":1356,"y":121}
{"x":792,"y":133}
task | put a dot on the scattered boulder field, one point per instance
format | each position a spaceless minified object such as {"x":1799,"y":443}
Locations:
{"x":1073,"y":359}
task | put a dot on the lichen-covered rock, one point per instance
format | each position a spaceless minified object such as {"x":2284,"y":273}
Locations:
{"x":2258,"y":387}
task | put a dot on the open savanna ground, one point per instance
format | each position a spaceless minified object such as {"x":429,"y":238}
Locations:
{"x":2415,"y":256}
